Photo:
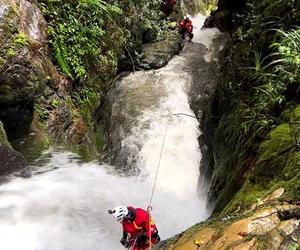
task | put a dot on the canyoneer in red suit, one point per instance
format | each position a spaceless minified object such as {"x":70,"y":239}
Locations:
{"x":167,"y":6}
{"x":137,"y":227}
{"x":186,"y":28}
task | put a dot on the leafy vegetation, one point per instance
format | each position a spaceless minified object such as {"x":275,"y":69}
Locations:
{"x":270,"y":79}
{"x":21,"y":40}
{"x":205,"y":6}
{"x":78,"y":36}
{"x":41,"y":111}
{"x":89,"y":36}
{"x":261,"y":81}
{"x":199,"y":6}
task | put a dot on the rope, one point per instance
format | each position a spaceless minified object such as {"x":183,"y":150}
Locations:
{"x":157,"y":170}
{"x":133,"y":245}
{"x":149,"y":208}
{"x":243,"y":118}
{"x":192,"y":116}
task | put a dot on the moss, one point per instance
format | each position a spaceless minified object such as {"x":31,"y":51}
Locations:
{"x":84,"y":137}
{"x":9,"y":28}
{"x":253,"y":193}
{"x":296,"y":114}
{"x":280,"y":139}
{"x":55,"y":103}
{"x":8,"y":25}
{"x":256,"y":141}
{"x":2,"y":60}
{"x":41,"y":111}
{"x":292,"y":113}
{"x":264,"y":241}
{"x":247,"y":195}
{"x":32,"y":145}
{"x":277,"y":165}
{"x":199,"y":6}
{"x":289,"y":178}
{"x":3,"y":137}
{"x":230,"y":189}
{"x":10,"y":53}
{"x":21,"y":40}
{"x":99,"y":140}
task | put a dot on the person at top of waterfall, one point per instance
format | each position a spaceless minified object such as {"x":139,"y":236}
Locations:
{"x":186,"y":28}
{"x":167,"y":6}
{"x":138,"y":227}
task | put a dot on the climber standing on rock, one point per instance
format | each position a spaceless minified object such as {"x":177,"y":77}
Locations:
{"x":186,"y":28}
{"x":138,"y":227}
{"x":167,"y":6}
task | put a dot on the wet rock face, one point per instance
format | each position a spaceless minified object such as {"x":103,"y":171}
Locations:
{"x":156,"y":55}
{"x":266,"y":228}
{"x":3,"y":137}
{"x":10,"y":159}
{"x":148,"y":36}
{"x":23,"y":49}
{"x":17,"y":119}
{"x":222,"y":17}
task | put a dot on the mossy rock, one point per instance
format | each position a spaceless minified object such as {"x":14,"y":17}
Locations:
{"x":21,"y":63}
{"x":11,"y":160}
{"x":277,"y":165}
{"x":3,"y":137}
{"x":156,"y":55}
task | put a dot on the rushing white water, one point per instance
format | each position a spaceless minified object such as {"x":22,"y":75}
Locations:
{"x":63,"y":206}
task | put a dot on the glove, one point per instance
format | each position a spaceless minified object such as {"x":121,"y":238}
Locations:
{"x":125,"y":243}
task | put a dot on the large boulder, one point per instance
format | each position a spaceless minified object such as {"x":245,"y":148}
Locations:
{"x":23,"y":61}
{"x":11,"y":160}
{"x":157,"y":54}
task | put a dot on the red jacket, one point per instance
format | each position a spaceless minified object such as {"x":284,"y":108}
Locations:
{"x":187,"y":26}
{"x":140,"y":224}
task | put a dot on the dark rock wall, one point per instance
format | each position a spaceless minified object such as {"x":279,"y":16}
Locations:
{"x":23,"y":74}
{"x":244,"y":127}
{"x":223,"y":16}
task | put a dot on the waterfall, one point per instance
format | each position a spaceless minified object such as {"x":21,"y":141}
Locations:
{"x":63,"y":206}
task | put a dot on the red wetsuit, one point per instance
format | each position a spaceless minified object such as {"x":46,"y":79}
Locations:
{"x":186,"y":29}
{"x":167,"y":6}
{"x":187,"y":26}
{"x":138,"y":229}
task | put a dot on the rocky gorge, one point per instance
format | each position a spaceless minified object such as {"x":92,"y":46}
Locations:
{"x":58,"y":90}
